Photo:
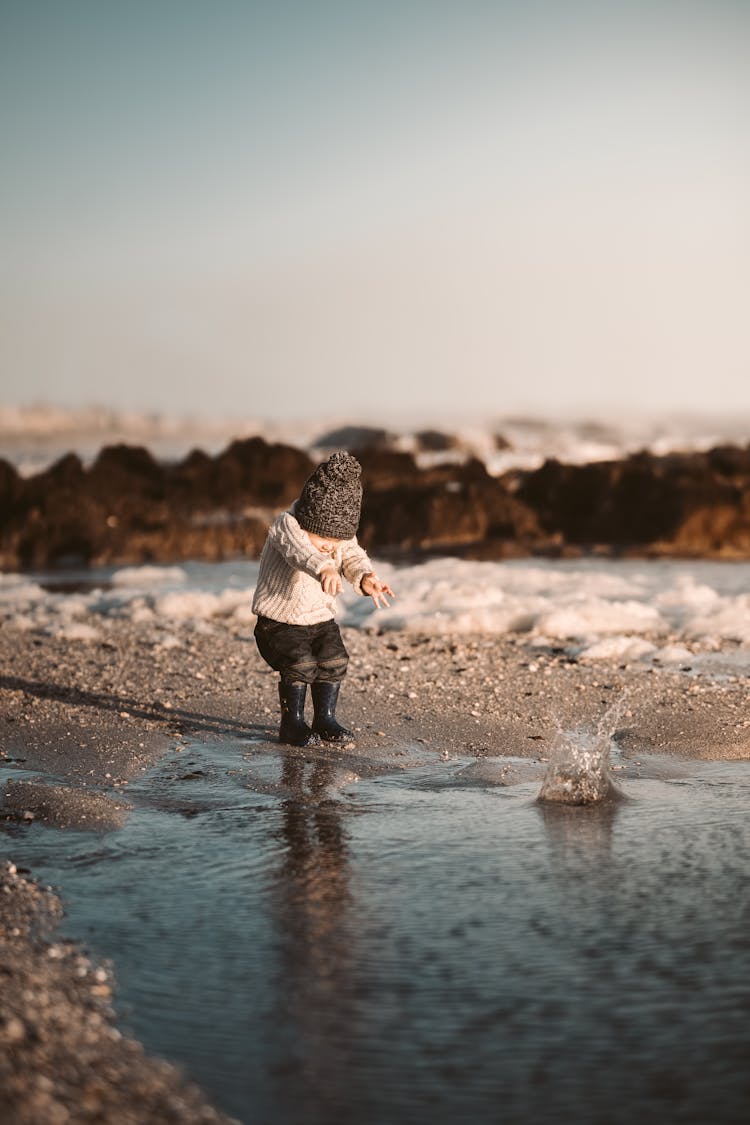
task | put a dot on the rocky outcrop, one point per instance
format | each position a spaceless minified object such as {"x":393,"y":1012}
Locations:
{"x":455,"y":509}
{"x":128,"y":508}
{"x":686,"y":504}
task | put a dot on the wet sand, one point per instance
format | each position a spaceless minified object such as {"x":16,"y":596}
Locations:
{"x":89,"y":717}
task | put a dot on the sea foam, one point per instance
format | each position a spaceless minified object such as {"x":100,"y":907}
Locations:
{"x":670,"y":612}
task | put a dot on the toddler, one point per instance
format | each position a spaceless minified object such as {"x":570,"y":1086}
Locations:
{"x":307,"y":551}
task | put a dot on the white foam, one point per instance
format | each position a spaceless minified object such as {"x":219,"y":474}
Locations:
{"x":450,"y":595}
{"x":670,"y":612}
{"x":622,"y":649}
{"x":20,"y":623}
{"x":592,"y":617}
{"x":79,"y":631}
{"x":146,"y":576}
{"x":729,"y":621}
{"x":169,"y":642}
{"x":141,"y":614}
{"x":197,"y":606}
{"x":72,"y":607}
{"x":675,"y":654}
{"x":17,"y":590}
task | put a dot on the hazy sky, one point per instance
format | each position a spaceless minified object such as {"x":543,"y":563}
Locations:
{"x":317,"y":208}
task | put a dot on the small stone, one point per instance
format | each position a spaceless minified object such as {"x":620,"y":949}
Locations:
{"x":14,"y":1030}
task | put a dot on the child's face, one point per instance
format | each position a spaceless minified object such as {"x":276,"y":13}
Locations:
{"x":325,"y":543}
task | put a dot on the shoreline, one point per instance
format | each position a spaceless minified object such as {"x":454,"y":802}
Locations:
{"x":93,"y":713}
{"x":63,"y":1058}
{"x":90,"y":716}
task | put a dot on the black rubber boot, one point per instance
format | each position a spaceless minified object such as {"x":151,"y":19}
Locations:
{"x":293,"y":730}
{"x":325,"y":697}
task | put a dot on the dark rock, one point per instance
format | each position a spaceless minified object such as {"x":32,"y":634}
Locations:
{"x":121,"y":470}
{"x":731,"y":462}
{"x":355,"y":438}
{"x":449,"y":507}
{"x":435,"y":441}
{"x":56,"y":521}
{"x":191,"y":483}
{"x":59,"y":483}
{"x":253,"y":472}
{"x":674,"y":504}
{"x":129,"y":509}
{"x":385,"y":469}
{"x":10,"y":491}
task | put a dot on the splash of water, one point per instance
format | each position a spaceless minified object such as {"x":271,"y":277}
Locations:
{"x":579,"y":772}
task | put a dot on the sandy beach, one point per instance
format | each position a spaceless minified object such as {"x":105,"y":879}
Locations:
{"x":88,"y":717}
{"x":464,"y":284}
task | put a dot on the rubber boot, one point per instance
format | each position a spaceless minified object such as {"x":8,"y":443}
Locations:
{"x":325,"y":697}
{"x":293,"y":730}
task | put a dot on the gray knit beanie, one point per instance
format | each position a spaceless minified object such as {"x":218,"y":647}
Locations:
{"x":331,"y":499}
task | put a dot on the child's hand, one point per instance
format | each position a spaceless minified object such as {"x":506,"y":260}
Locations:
{"x":330,"y":580}
{"x":377,"y":589}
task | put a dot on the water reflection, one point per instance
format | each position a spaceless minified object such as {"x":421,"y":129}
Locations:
{"x":425,"y":951}
{"x":312,"y":904}
{"x":579,"y":836}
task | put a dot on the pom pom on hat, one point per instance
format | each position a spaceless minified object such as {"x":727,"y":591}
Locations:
{"x":331,"y":499}
{"x":342,"y":466}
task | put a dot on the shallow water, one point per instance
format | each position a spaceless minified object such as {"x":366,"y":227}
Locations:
{"x":424,"y":945}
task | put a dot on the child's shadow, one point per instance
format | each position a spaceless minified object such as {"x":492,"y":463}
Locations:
{"x":178,"y":720}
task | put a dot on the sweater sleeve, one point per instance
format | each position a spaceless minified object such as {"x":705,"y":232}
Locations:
{"x":355,"y":563}
{"x":295,"y":548}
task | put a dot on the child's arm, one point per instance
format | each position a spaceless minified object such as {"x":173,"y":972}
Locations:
{"x":358,"y":570}
{"x":295,"y":548}
{"x":355,"y":564}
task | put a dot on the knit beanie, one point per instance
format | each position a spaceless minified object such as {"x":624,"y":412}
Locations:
{"x":331,"y":498}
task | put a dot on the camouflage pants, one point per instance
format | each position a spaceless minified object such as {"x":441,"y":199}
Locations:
{"x":303,"y":653}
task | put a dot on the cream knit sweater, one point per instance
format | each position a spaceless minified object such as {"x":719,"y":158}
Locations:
{"x":289,"y":586}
